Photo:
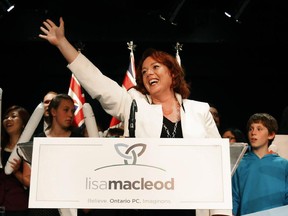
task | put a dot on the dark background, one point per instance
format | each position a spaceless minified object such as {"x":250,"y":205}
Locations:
{"x":238,"y":64}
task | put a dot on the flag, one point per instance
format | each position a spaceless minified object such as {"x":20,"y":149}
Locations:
{"x":128,"y":82}
{"x":130,"y":77}
{"x":75,"y":91}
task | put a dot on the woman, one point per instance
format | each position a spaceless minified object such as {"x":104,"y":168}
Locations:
{"x":161,"y":93}
{"x":60,"y":118}
{"x":59,"y":124}
{"x":234,"y":135}
{"x":13,"y":194}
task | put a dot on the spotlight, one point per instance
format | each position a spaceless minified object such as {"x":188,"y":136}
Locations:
{"x":172,"y":14}
{"x":6,"y":5}
{"x":238,"y":11}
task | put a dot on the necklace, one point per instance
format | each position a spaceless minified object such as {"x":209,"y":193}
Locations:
{"x":168,"y":132}
{"x":173,"y":113}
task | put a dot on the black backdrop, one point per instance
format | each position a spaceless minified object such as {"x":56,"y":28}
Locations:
{"x":240,"y":79}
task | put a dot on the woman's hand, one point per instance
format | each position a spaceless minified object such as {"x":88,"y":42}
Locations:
{"x":53,"y":33}
{"x":15,"y":164}
{"x":56,"y":36}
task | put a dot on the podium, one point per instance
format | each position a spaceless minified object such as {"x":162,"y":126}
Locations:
{"x":280,"y":145}
{"x":26,"y":150}
{"x":131,"y":173}
{"x":237,"y":151}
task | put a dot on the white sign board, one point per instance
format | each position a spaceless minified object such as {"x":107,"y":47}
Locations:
{"x":131,"y":173}
{"x":280,"y":145}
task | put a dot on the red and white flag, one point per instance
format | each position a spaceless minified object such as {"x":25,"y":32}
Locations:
{"x":75,"y":91}
{"x":129,"y":79}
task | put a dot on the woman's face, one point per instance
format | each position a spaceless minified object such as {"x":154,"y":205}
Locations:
{"x":156,"y":77}
{"x":13,"y":123}
{"x":64,"y":114}
{"x":228,"y":134}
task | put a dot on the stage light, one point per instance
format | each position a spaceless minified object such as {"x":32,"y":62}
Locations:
{"x":238,"y":10}
{"x":6,"y":5}
{"x":172,"y":13}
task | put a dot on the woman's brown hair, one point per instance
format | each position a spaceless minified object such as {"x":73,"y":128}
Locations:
{"x":179,"y":83}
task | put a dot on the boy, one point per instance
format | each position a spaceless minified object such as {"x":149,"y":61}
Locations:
{"x":261,"y":179}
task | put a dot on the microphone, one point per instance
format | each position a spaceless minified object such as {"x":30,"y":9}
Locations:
{"x":132,"y":119}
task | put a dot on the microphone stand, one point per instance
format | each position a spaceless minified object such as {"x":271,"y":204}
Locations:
{"x":132,"y":119}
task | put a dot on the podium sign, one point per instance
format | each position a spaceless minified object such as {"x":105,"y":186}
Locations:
{"x":131,"y":173}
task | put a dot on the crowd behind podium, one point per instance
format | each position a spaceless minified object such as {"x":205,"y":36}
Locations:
{"x":17,"y":117}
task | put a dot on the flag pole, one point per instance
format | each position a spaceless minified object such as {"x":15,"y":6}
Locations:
{"x":128,"y":81}
{"x":178,"y":48}
{"x":131,"y":46}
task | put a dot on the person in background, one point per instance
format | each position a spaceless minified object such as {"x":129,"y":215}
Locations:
{"x":216,"y":116}
{"x":59,"y":124}
{"x":261,"y":180}
{"x":60,"y":118}
{"x":235,"y":135}
{"x":13,"y":194}
{"x":46,"y":101}
{"x":161,"y":95}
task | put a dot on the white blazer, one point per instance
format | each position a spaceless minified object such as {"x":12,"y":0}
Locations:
{"x":196,"y":119}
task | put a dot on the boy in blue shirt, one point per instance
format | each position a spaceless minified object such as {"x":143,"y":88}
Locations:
{"x":261,"y":179}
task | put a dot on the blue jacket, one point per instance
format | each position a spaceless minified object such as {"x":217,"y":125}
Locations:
{"x":260,"y":183}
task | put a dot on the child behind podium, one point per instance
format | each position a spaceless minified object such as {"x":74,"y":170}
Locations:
{"x":59,"y":124}
{"x":261,"y":179}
